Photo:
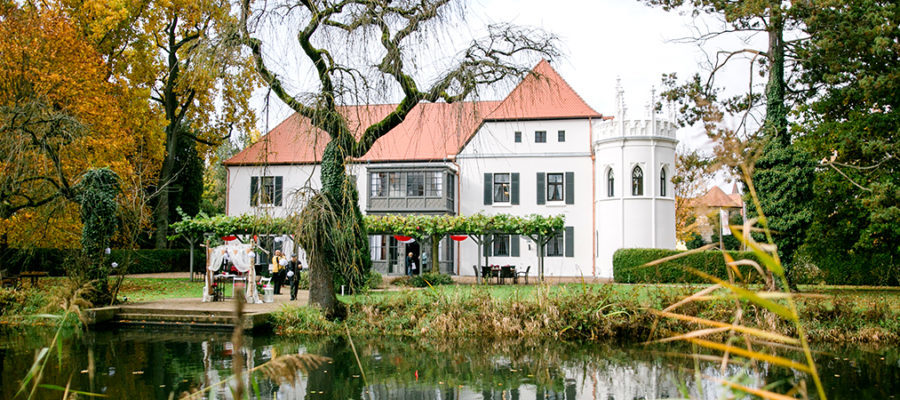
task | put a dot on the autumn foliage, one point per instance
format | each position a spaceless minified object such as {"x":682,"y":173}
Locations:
{"x":60,"y":116}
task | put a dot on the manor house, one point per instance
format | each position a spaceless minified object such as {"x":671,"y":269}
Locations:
{"x":541,"y":150}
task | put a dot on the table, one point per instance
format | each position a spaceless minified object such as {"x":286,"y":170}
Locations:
{"x":33,"y":276}
{"x":220,"y":280}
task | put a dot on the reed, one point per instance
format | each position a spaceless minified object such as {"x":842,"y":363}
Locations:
{"x":732,"y":338}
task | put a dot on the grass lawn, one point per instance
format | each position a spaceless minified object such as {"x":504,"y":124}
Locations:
{"x":860,"y":296}
{"x":149,"y":289}
{"x":144,"y":289}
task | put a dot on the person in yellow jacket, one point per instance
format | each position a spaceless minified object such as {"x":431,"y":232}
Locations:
{"x":278,"y":270}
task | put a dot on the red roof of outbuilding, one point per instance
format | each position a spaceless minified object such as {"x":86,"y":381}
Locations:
{"x":432,"y":131}
{"x":716,"y":197}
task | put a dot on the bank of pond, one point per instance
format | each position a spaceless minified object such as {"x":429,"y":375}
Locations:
{"x":163,"y":364}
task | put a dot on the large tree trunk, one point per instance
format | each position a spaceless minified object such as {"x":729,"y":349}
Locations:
{"x":166,"y":175}
{"x":776,"y":111}
{"x":320,"y":249}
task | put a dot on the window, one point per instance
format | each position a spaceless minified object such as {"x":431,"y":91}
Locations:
{"x":540,"y":136}
{"x":415,"y":184}
{"x":554,"y":187}
{"x":518,"y":137}
{"x":396,"y":190}
{"x":434,"y":184}
{"x":378,"y":247}
{"x":379,"y":184}
{"x":555,"y":246}
{"x":637,"y":181}
{"x":501,"y":188}
{"x":610,"y":184}
{"x":451,"y":190}
{"x":662,"y":182}
{"x":500,"y":244}
{"x":561,"y":136}
{"x":265,"y":190}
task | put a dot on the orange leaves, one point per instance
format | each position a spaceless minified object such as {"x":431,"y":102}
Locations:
{"x":49,"y":71}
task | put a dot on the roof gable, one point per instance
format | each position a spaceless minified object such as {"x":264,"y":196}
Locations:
{"x":543,"y":94}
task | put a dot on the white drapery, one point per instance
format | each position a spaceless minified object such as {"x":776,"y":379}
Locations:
{"x":243,"y":258}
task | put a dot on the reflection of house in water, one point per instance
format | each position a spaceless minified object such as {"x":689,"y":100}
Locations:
{"x":723,"y":207}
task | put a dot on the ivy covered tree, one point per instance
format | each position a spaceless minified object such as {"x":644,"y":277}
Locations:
{"x":852,"y":123}
{"x":780,"y":172}
{"x":360,"y":51}
{"x":97,"y":193}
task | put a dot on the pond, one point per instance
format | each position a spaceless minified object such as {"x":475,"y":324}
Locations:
{"x":157,"y":364}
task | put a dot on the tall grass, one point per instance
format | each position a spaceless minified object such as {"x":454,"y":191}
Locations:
{"x":733,"y":340}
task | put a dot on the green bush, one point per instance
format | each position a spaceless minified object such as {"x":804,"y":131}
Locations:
{"x":54,"y":261}
{"x":425,"y":279}
{"x":628,"y":266}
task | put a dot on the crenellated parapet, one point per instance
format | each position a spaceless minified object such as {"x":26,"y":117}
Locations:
{"x":641,"y":128}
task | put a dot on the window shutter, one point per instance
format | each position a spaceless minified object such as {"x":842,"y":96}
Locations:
{"x":254,"y":190}
{"x":514,"y":188}
{"x":570,"y":188}
{"x":487,"y":245}
{"x":541,"y":184}
{"x":488,"y":186}
{"x":278,"y":182}
{"x":514,"y":245}
{"x":570,"y":241}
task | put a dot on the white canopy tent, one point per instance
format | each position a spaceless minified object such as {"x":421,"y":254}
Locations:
{"x":243,"y":258}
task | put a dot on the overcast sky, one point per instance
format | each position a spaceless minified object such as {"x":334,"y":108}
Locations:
{"x":601,"y":41}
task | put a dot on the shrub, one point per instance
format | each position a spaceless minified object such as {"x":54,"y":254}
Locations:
{"x":425,"y":279}
{"x":628,"y":266}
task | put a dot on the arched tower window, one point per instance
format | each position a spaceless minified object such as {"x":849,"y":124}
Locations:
{"x":662,"y":182}
{"x":610,"y":184}
{"x":637,"y":181}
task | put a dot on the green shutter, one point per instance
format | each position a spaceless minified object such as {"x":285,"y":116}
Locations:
{"x":488,"y":185}
{"x":278,"y":182}
{"x":570,"y":241}
{"x":487,"y":245}
{"x":570,"y":188}
{"x":541,"y":195}
{"x":514,"y":245}
{"x":254,"y":190}
{"x":514,"y":188}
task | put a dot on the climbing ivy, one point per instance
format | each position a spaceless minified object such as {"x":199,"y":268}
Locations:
{"x":97,"y":192}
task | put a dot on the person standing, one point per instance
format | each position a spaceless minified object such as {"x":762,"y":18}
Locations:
{"x":293,"y":275}
{"x":411,"y":264}
{"x":278,"y":264}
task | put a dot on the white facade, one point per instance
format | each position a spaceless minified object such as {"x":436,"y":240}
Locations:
{"x":518,"y":166}
{"x":493,"y":150}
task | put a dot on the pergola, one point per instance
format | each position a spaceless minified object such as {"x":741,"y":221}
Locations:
{"x":479,"y":227}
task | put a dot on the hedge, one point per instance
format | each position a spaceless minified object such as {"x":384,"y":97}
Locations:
{"x":141,"y":261}
{"x":628,"y":266}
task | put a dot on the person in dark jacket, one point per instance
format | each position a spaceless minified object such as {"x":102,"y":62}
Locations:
{"x":411,"y":265}
{"x":293,"y":275}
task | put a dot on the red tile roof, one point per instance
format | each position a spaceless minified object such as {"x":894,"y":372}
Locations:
{"x":715,"y":197}
{"x":432,"y":131}
{"x":543,"y":94}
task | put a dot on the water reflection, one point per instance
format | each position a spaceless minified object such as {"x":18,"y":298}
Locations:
{"x":147,"y":364}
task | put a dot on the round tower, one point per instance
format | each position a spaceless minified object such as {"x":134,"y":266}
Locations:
{"x":635,"y":197}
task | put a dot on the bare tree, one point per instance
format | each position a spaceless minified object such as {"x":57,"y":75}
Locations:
{"x":391,"y":34}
